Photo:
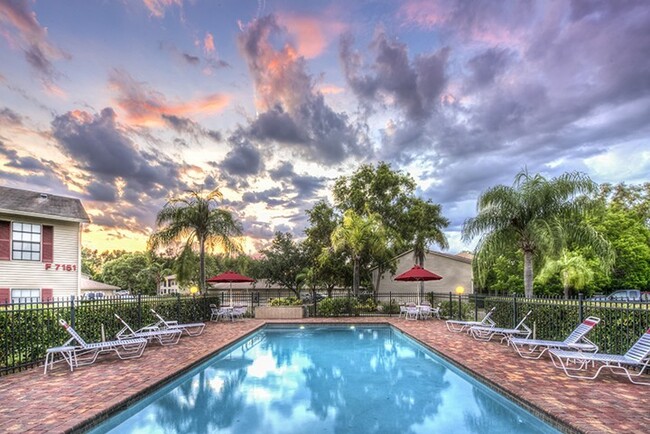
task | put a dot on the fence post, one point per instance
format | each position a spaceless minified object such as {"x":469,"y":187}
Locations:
{"x":178,"y":306}
{"x":460,"y":308}
{"x":475,"y":307}
{"x":514,"y":309}
{"x":139,"y":310}
{"x":451,"y":307}
{"x":72,"y":311}
{"x":581,"y":312}
{"x":390,"y":303}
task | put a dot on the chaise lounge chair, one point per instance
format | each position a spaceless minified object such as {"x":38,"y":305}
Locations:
{"x":83,"y":353}
{"x":481,"y":333}
{"x":575,"y":341}
{"x":461,"y":326}
{"x":636,"y":358}
{"x":192,"y":329}
{"x":164,"y":337}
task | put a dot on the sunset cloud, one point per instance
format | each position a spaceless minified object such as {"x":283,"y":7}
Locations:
{"x":208,"y":43}
{"x":30,"y":37}
{"x":144,"y":106}
{"x":311,"y":35}
{"x":157,"y":7}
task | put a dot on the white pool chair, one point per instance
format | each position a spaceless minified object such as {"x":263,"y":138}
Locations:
{"x":457,"y":326}
{"x":576,"y":341}
{"x":481,"y":333}
{"x":83,"y":353}
{"x":631,"y":364}
{"x":238,"y":312}
{"x":164,"y":337}
{"x":412,"y":311}
{"x":192,"y":329}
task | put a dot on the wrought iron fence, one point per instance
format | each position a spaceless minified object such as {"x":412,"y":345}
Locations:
{"x":27,"y":329}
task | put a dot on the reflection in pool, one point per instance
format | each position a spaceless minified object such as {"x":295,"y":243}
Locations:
{"x":327,"y":380}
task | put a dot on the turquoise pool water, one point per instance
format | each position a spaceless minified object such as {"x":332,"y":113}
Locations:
{"x":341,"y":379}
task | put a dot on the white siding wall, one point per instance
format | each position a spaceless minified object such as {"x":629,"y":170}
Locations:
{"x":32,"y":274}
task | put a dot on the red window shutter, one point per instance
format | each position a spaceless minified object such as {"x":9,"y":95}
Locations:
{"x":46,"y":295}
{"x":48,"y":243}
{"x":5,"y":240}
{"x":5,"y":295}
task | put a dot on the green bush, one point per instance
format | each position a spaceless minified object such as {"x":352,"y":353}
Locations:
{"x":330,"y":307}
{"x":286,"y":301}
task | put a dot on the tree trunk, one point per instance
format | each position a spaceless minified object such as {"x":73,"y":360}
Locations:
{"x":202,"y":265}
{"x":380,"y":271}
{"x":528,"y":273}
{"x":355,"y":277}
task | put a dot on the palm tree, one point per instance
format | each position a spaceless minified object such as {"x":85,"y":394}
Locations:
{"x":358,"y":235}
{"x":538,"y":216}
{"x":195,"y":219}
{"x":427,"y":223}
{"x":573,"y":268}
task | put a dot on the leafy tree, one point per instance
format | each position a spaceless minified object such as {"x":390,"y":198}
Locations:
{"x":630,"y":239}
{"x":195,"y":219}
{"x":573,"y":269}
{"x":283,"y":261}
{"x":427,"y":223}
{"x":358,"y":235}
{"x":125,"y":272}
{"x":537,"y":215}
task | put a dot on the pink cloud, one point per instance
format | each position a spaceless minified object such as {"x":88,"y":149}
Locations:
{"x":312,"y":35}
{"x":145,"y":106}
{"x":208,"y":43}
{"x":30,"y":37}
{"x":157,"y":7}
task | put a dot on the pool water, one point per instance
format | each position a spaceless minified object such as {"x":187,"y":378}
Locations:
{"x":340,"y":379}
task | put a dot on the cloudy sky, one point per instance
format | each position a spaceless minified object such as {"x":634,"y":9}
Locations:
{"x":123,"y":103}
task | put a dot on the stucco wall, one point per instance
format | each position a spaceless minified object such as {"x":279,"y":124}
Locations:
{"x":33,"y":274}
{"x":454,"y":272}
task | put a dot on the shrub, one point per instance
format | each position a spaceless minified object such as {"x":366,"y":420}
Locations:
{"x":286,"y":301}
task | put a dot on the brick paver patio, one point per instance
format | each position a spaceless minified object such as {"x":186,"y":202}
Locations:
{"x":63,"y":401}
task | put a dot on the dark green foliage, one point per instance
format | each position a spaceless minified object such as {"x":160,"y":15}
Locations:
{"x":286,"y":301}
{"x":26,"y":333}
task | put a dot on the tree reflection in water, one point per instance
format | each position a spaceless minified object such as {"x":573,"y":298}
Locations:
{"x":196,"y":406}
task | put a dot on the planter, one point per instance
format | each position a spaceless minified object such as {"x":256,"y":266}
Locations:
{"x":279,"y":312}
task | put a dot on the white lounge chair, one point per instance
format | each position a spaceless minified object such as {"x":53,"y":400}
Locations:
{"x":535,"y":348}
{"x":192,"y":329}
{"x":631,"y":364}
{"x":78,"y":352}
{"x":482,"y":333}
{"x":458,"y":326}
{"x":164,"y":337}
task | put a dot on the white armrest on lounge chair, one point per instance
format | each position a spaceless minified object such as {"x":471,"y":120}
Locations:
{"x":458,"y":326}
{"x":192,"y":329}
{"x":636,"y":358}
{"x":164,"y":337}
{"x":481,"y":333}
{"x":575,"y":341}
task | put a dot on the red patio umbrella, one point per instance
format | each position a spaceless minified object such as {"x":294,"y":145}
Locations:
{"x":230,"y":277}
{"x":417,"y":274}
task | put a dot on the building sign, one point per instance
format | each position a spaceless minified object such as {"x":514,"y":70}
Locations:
{"x":61,"y":267}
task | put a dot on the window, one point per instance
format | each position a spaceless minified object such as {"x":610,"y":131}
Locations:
{"x":25,"y":295}
{"x":26,"y":241}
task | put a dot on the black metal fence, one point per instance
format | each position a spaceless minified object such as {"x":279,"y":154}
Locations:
{"x":28,"y":329}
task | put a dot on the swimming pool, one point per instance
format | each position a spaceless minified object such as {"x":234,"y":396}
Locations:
{"x":325,"y":379}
